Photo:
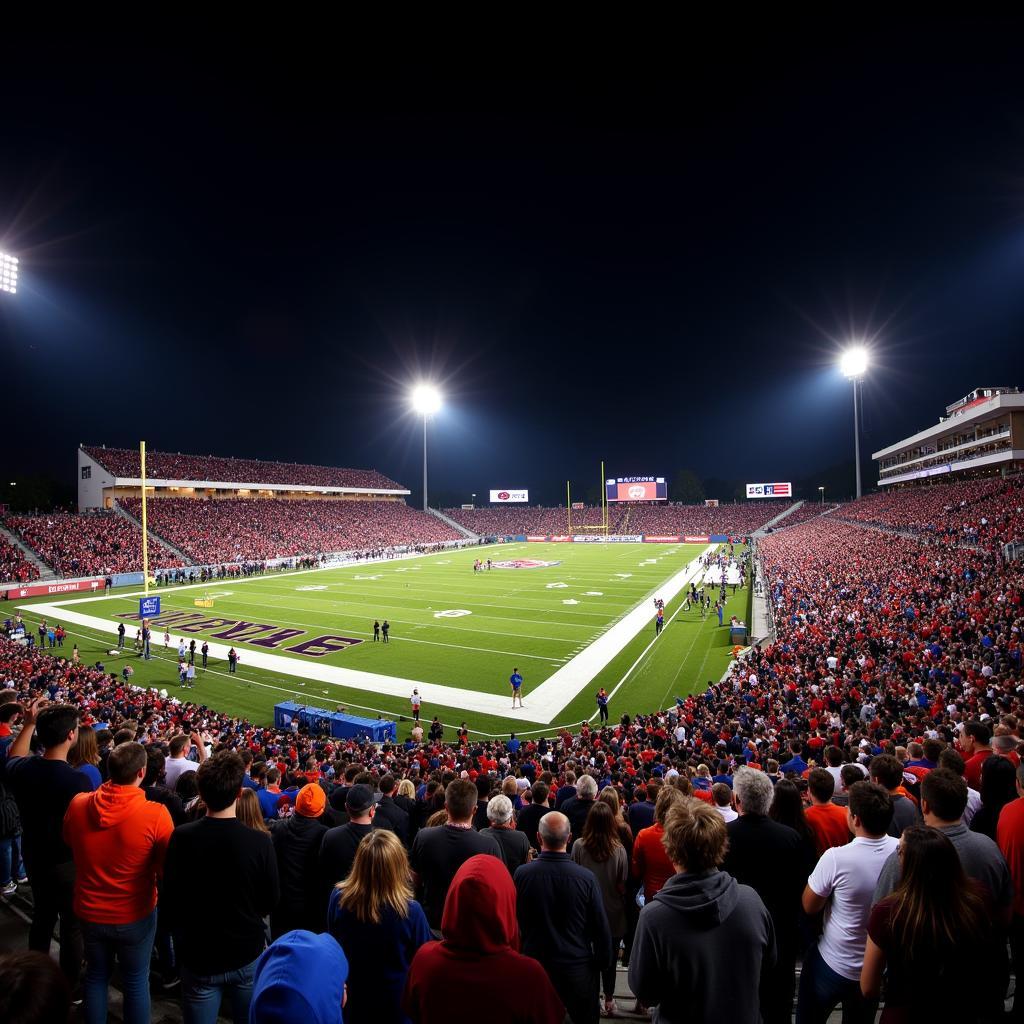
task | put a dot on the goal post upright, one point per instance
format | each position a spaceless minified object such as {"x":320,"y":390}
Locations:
{"x":604,"y":501}
{"x":568,"y":508}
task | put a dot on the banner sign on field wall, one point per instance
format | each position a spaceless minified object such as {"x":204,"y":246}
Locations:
{"x":70,"y":587}
{"x":715,"y":538}
{"x":770,"y":490}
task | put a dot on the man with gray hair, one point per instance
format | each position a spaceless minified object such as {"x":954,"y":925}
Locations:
{"x":578,"y":807}
{"x":515,"y":846}
{"x":562,"y":920}
{"x":773,"y":861}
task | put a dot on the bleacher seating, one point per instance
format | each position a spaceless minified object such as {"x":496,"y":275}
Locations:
{"x":124,"y":462}
{"x":14,"y":567}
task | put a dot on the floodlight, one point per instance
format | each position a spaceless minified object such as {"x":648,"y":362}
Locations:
{"x":8,"y":273}
{"x":426,"y":399}
{"x":854,"y":362}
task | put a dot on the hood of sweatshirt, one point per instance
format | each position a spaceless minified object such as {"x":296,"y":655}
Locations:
{"x":111,"y":804}
{"x":480,"y":909}
{"x":300,"y":977}
{"x":707,"y":899}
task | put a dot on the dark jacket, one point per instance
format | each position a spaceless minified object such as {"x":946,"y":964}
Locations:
{"x":576,"y":810}
{"x":773,"y":861}
{"x":528,"y":821}
{"x":297,"y":847}
{"x":560,"y":912}
{"x":390,"y":816}
{"x":700,"y":948}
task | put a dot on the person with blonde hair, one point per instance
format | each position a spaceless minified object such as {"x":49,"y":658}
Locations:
{"x":703,"y":941}
{"x":379,"y":925}
{"x":249,"y":811}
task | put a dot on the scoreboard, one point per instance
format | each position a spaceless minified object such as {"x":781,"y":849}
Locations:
{"x":636,"y":488}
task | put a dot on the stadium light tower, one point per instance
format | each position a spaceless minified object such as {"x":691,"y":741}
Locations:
{"x":854,"y":364}
{"x":8,"y":273}
{"x":426,"y":400}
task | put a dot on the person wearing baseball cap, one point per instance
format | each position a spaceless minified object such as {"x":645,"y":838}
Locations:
{"x":297,"y":840}
{"x":338,"y":850}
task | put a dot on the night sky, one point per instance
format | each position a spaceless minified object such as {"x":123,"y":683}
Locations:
{"x":650,"y":254}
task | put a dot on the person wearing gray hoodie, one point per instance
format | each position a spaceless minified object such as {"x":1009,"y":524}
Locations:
{"x":704,"y":940}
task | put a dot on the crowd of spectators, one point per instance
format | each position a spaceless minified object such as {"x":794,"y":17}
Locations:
{"x":249,"y":529}
{"x":972,"y":512}
{"x":88,"y":544}
{"x":807,"y":511}
{"x":662,"y":519}
{"x":124,"y":462}
{"x":889,"y":706}
{"x":14,"y":567}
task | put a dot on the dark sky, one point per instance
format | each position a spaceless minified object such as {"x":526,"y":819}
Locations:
{"x":648,"y":249}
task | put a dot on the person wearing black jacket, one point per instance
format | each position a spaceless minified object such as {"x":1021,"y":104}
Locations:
{"x":771,"y":859}
{"x":577,"y":808}
{"x":529,"y":817}
{"x":562,"y":921}
{"x":389,"y":814}
{"x":297,"y":842}
{"x":218,"y":858}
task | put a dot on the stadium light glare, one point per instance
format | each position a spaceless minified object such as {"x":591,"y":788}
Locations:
{"x":8,"y":273}
{"x":426,"y":399}
{"x":854,"y":362}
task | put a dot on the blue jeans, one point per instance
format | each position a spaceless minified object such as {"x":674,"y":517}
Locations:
{"x":201,"y":994}
{"x":11,"y":867}
{"x":822,"y":990}
{"x":132,"y":945}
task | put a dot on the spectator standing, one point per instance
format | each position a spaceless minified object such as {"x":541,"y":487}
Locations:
{"x":297,"y":841}
{"x":774,"y":861}
{"x":300,"y":977}
{"x":651,"y":865}
{"x":563,"y":922}
{"x":389,"y":814}
{"x":577,"y":807}
{"x":998,"y":788}
{"x":843,"y":885}
{"x":936,"y":953}
{"x":438,"y":852}
{"x":338,"y":849}
{"x":788,"y":809}
{"x":478,"y":957}
{"x":641,"y":812}
{"x":119,"y":840}
{"x":219,"y":855}
{"x":515,"y":847}
{"x":380,"y":927}
{"x":704,"y":942}
{"x":888,"y":773}
{"x":826,"y":821}
{"x":601,"y":852}
{"x":179,"y":763}
{"x":43,"y":788}
{"x":975,"y":743}
{"x":529,"y":817}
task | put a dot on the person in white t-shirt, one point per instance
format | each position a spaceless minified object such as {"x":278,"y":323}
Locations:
{"x":843,"y":884}
{"x":178,"y":763}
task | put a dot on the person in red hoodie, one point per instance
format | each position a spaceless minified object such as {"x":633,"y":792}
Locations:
{"x":477,"y":962}
{"x":118,"y":839}
{"x":651,"y":865}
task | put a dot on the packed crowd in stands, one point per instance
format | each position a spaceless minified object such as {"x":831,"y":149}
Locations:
{"x":736,"y":519}
{"x":124,"y":462}
{"x":88,"y":544}
{"x":239,"y":529}
{"x":14,"y":567}
{"x":974,"y":512}
{"x":807,"y":511}
{"x":806,"y":809}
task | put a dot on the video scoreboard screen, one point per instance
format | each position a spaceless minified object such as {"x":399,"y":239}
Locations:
{"x":636,"y":488}
{"x":770,"y":490}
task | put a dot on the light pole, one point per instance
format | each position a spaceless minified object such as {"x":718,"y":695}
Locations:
{"x":822,"y":492}
{"x":854,"y":364}
{"x":426,"y":400}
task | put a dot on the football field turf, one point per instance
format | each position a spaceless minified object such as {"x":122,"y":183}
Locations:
{"x":582,"y":617}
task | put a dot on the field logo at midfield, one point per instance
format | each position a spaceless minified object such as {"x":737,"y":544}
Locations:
{"x":524,"y":563}
{"x":452,"y":613}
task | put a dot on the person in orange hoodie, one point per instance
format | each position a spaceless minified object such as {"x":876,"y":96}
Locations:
{"x":118,"y":839}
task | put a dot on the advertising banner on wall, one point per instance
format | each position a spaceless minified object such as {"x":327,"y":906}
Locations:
{"x":506,"y":496}
{"x":39,"y":589}
{"x":770,"y":490}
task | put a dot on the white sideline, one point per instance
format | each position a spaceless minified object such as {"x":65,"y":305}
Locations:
{"x":543,"y":704}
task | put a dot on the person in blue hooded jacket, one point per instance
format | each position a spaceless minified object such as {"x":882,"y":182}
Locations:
{"x":703,"y":941}
{"x":300,"y":978}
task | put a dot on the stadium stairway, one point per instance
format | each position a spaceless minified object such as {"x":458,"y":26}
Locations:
{"x":45,"y":572}
{"x":468,"y":534}
{"x":778,"y":519}
{"x":152,"y":536}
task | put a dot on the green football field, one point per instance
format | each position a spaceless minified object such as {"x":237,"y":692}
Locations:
{"x":580,"y":619}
